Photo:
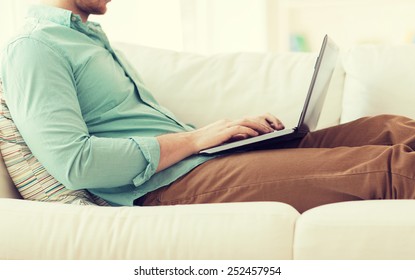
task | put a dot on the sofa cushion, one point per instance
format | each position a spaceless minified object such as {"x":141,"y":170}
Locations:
{"x":226,"y":231}
{"x":29,"y":176}
{"x":379,"y":80}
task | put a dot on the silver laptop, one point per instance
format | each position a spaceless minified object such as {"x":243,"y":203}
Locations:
{"x":308,"y":120}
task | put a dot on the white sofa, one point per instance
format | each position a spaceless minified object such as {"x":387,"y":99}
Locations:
{"x":368,"y":80}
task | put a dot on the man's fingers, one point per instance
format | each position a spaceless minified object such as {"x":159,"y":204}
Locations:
{"x":257,"y":125}
{"x":274,"y":121}
{"x":253,"y":126}
{"x":243,"y":130}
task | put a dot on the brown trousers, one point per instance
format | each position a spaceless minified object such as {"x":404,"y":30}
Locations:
{"x":370,"y":158}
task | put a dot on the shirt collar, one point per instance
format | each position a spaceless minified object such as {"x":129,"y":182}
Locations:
{"x":59,"y":16}
{"x":54,"y":14}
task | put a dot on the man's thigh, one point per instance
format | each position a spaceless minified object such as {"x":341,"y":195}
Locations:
{"x":304,"y":178}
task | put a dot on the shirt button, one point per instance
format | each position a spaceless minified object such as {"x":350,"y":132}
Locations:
{"x":73,"y":18}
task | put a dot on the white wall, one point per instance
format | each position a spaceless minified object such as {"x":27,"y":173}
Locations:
{"x":155,"y":23}
{"x":203,"y":26}
{"x":349,"y":22}
{"x":211,"y":26}
{"x":12,"y":13}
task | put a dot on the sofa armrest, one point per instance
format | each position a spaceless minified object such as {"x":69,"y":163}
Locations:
{"x":36,"y":230}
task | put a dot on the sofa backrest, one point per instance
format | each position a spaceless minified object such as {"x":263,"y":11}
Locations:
{"x":369,"y":80}
{"x":202,"y":89}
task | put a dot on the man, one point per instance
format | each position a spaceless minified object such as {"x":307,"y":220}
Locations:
{"x":89,"y":119}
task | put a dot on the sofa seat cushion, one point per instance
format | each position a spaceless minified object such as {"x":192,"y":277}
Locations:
{"x":376,"y":229}
{"x":231,"y":231}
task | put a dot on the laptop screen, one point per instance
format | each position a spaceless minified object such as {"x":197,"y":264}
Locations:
{"x":323,"y":70}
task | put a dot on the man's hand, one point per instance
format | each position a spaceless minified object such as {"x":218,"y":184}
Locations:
{"x":227,"y":130}
{"x":175,"y":147}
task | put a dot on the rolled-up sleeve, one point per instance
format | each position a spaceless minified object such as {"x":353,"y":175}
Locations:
{"x":44,"y":105}
{"x":150,"y":148}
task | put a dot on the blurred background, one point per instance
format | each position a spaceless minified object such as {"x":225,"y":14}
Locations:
{"x":212,"y":26}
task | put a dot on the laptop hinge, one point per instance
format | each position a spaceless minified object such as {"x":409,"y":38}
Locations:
{"x":302,"y":130}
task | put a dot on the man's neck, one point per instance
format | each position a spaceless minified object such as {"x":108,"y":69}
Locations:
{"x":67,"y":5}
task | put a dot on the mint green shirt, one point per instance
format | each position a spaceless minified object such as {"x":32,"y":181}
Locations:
{"x":83,"y":110}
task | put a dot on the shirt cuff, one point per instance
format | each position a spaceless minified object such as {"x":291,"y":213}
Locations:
{"x":150,"y":148}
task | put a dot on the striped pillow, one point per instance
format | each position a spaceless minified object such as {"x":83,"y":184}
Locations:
{"x":27,"y":173}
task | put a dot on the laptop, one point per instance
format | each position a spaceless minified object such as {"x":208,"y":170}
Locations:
{"x":308,"y":120}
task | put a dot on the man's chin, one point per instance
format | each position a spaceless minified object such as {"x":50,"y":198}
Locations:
{"x":100,"y":11}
